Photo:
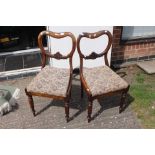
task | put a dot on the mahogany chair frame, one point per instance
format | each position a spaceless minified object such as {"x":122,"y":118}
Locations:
{"x":94,"y":55}
{"x":58,"y":56}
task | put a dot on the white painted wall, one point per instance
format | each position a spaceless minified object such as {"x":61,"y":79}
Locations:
{"x":87,"y":45}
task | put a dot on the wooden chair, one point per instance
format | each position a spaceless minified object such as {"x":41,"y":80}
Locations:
{"x":52,"y":82}
{"x":100,"y":81}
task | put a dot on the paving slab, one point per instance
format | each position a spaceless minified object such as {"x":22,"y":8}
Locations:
{"x":147,"y":66}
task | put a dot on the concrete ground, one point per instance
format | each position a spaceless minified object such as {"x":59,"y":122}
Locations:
{"x":51,"y":114}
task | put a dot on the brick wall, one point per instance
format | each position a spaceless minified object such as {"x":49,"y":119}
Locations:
{"x":132,"y":52}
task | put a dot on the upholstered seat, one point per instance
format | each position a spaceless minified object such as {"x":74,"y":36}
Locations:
{"x":102,"y":80}
{"x":52,"y":81}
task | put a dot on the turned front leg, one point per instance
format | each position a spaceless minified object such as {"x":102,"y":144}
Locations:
{"x":90,"y":105}
{"x":67,"y":110}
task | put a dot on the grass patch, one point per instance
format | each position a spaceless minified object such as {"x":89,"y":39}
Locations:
{"x":140,"y":78}
{"x":143,"y":91}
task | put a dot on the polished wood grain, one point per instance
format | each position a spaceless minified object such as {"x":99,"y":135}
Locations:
{"x":57,"y":55}
{"x":94,"y":55}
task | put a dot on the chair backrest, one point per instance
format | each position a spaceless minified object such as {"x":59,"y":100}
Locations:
{"x":94,"y":55}
{"x":57,"y":55}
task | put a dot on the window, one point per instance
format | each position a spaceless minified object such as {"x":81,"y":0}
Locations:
{"x":132,"y":34}
{"x":15,"y":38}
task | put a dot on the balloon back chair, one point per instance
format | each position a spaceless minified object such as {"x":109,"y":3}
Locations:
{"x":52,"y":82}
{"x":100,"y":81}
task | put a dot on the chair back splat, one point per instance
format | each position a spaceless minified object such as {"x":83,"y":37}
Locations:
{"x":57,"y":55}
{"x":94,"y":55}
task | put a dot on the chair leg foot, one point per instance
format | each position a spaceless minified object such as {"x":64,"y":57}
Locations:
{"x":67,"y":119}
{"x":89,"y":119}
{"x":122,"y":102}
{"x":67,"y":111}
{"x":90,"y":105}
{"x":123,"y":97}
{"x":31,"y":103}
{"x":120,"y":110}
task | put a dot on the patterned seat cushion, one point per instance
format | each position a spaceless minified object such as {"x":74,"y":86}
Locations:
{"x":52,"y":81}
{"x":102,"y":80}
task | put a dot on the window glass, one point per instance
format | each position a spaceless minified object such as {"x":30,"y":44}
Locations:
{"x":137,"y":32}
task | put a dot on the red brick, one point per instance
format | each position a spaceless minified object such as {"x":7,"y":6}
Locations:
{"x":141,"y":45}
{"x":133,"y":47}
{"x":152,"y":49}
{"x":128,"y":52}
{"x":149,"y":45}
{"x":153,"y":45}
{"x":137,"y":46}
{"x":121,"y":48}
{"x":142,"y":50}
{"x":118,"y":48}
{"x":116,"y":58}
{"x":115,"y":43}
{"x":116,"y":39}
{"x":129,"y":47}
{"x":120,"y":57}
{"x":146,"y":45}
{"x":116,"y":31}
{"x":116,"y":36}
{"x":118,"y":53}
{"x":152,"y":52}
{"x":125,"y":48}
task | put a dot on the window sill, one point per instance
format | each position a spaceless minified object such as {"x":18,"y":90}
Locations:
{"x":136,"y":41}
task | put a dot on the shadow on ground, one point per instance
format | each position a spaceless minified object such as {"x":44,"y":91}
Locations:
{"x":111,"y":102}
{"x":80,"y":104}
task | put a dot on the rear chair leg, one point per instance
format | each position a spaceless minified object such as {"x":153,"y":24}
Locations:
{"x":70,"y":94}
{"x":123,"y":97}
{"x":81,"y":90}
{"x":122,"y":102}
{"x":90,"y":105}
{"x":31,"y":103}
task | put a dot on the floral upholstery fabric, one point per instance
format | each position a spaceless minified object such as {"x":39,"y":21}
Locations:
{"x":101,"y":80}
{"x":51,"y":80}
